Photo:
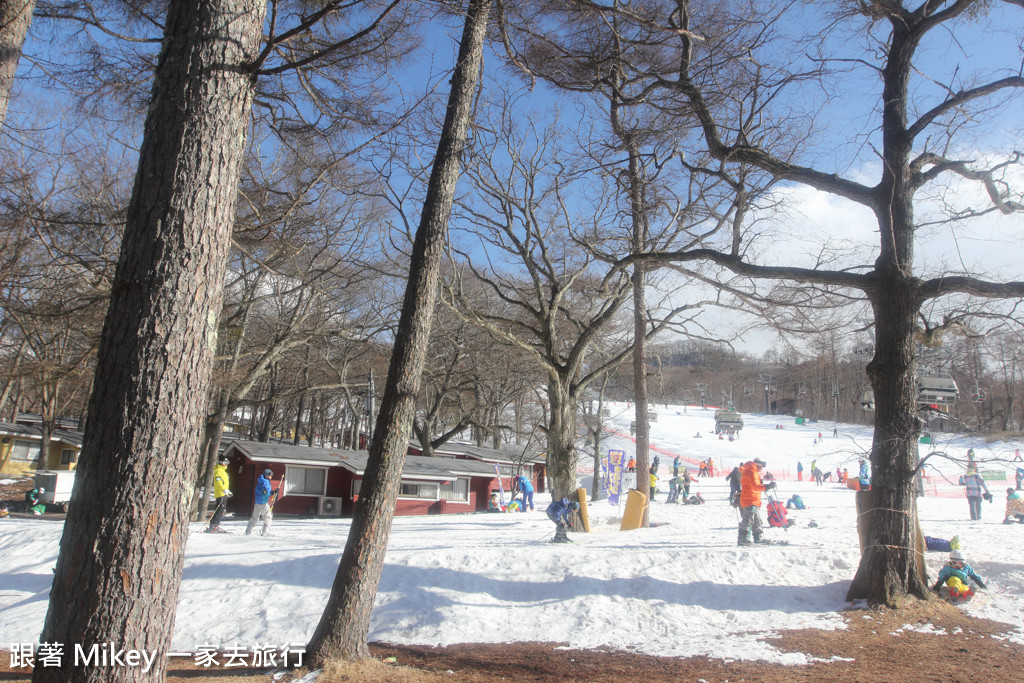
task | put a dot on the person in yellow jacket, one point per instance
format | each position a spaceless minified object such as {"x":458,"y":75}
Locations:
{"x":221,"y":493}
{"x":750,"y":501}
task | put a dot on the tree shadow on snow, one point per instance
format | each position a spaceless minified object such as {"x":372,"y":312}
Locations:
{"x":430,"y":592}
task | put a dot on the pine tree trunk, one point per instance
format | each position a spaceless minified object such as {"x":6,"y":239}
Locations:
{"x":122,"y":551}
{"x":15,"y":17}
{"x":345,"y":622}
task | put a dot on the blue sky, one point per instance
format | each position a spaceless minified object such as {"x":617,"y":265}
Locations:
{"x":844,"y":144}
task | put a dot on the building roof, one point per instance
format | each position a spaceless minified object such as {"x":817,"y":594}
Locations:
{"x":492,"y":455}
{"x":416,"y":466}
{"x":68,"y":436}
{"x":33,"y":419}
{"x":18,"y":430}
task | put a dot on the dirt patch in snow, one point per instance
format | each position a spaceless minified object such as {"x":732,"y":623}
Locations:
{"x":923,"y":641}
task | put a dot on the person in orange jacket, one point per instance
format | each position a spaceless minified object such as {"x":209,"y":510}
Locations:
{"x":750,"y":501}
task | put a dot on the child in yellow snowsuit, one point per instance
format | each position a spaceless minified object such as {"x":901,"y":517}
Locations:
{"x":956,"y":575}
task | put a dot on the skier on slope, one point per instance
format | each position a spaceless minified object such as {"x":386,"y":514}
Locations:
{"x":750,"y":502}
{"x":221,"y":493}
{"x":558,"y":512}
{"x":261,"y":504}
{"x":734,"y":486}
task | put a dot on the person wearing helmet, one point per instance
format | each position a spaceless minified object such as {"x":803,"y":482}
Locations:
{"x":558,"y":512}
{"x":33,"y":503}
{"x":262,"y":507}
{"x":956,"y":577}
{"x":221,"y":493}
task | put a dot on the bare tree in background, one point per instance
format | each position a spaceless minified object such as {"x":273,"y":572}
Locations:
{"x":915,"y":142}
{"x":539,"y":288}
{"x":636,"y":143}
{"x":60,"y":221}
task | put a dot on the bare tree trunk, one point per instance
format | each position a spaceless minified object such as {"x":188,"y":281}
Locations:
{"x":561,"y":437}
{"x":49,"y":391}
{"x":208,"y":461}
{"x":122,"y":551}
{"x":595,"y":491}
{"x":15,"y":17}
{"x":297,"y":436}
{"x":345,"y":622}
{"x":302,"y":402}
{"x":888,"y":568}
{"x":10,"y":384}
{"x":267,"y":423}
{"x":643,"y":427}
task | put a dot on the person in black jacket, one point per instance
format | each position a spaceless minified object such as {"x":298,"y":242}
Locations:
{"x":734,"y":487}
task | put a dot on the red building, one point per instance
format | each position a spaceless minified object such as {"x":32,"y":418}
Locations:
{"x":325,"y":481}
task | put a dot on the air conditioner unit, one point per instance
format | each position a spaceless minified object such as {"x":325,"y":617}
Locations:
{"x":329,"y":507}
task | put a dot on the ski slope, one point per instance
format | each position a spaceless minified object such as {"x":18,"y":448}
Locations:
{"x":680,"y":588}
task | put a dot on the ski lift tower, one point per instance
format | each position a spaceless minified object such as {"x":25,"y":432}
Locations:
{"x":702,"y":387}
{"x":766,"y":380}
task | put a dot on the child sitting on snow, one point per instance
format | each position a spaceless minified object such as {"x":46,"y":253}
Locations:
{"x":955,"y":575}
{"x":796,"y":503}
{"x":1014,"y":507}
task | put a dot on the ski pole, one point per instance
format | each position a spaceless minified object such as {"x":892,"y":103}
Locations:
{"x":770,"y":495}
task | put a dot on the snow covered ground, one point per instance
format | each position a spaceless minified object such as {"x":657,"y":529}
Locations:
{"x":680,"y":588}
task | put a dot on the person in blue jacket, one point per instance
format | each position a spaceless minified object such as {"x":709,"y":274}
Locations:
{"x":864,"y":476}
{"x":526,"y":488}
{"x":956,"y":576}
{"x":558,"y":512}
{"x":262,"y":508}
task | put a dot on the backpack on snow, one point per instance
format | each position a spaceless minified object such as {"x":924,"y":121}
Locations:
{"x":932,"y":543}
{"x":776,"y":514}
